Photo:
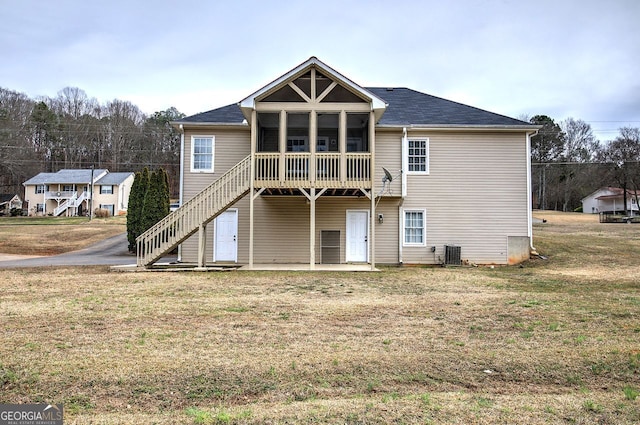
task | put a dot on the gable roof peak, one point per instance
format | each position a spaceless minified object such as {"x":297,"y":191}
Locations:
{"x":247,"y":104}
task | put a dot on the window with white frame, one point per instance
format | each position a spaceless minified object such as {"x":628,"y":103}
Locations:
{"x":418,"y":156}
{"x":106,"y":190}
{"x":42,"y":188}
{"x":202,"y":150}
{"x":415,"y":228}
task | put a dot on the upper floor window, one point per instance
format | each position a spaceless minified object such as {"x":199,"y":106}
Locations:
{"x":106,"y":190}
{"x":202,"y":153}
{"x":42,"y":188}
{"x":418,"y":156}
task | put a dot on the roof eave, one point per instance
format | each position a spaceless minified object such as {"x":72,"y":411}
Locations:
{"x":489,"y":127}
{"x":177,"y":124}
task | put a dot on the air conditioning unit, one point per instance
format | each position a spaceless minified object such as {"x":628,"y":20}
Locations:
{"x":452,"y":255}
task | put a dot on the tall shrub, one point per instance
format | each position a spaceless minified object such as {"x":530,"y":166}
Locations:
{"x":136,"y":205}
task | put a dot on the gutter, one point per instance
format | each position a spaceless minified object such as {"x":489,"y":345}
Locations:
{"x":181,"y":129}
{"x":403,"y":190}
{"x":178,"y":125}
{"x":454,"y":127}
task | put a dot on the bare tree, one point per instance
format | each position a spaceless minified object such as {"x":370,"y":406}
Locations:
{"x":580,"y":146}
{"x":623,"y":157}
{"x":546,"y":147}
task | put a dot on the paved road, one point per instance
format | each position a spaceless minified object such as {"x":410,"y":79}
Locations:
{"x":112,"y":251}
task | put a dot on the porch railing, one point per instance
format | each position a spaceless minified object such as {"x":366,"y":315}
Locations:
{"x":59,"y":194}
{"x":323,"y":169}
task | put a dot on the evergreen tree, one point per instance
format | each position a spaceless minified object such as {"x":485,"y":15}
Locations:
{"x":166,"y":193}
{"x":134,"y":210}
{"x":152,"y":207}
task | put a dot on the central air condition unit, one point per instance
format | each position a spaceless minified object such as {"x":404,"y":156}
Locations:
{"x":452,"y":255}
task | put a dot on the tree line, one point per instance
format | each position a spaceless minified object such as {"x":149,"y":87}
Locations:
{"x":569,"y":163}
{"x":73,"y":130}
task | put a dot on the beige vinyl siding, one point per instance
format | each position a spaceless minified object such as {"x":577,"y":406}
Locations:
{"x":388,"y":155}
{"x":231,"y":146}
{"x":475,"y":195}
{"x":282,"y":228}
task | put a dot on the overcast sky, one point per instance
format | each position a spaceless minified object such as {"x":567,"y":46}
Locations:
{"x":559,"y":58}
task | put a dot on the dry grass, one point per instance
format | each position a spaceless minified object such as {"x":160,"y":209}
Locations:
{"x":553,"y":342}
{"x":52,"y":235}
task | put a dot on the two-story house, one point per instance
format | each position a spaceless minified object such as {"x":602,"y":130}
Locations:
{"x":313,"y":169}
{"x":68,"y":192}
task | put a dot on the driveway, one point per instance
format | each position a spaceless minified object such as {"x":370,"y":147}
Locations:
{"x":109,"y":252}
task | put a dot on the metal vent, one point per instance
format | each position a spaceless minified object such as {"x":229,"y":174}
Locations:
{"x":452,"y":255}
{"x":330,"y":246}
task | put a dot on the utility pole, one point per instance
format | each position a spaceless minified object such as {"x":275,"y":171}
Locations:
{"x":91,"y":195}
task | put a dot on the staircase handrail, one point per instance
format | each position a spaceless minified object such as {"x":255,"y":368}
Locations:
{"x":173,"y":229}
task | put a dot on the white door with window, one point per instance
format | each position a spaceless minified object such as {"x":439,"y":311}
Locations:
{"x":226,"y":238}
{"x":357,"y":236}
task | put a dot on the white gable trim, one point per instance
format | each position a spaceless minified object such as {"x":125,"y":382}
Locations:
{"x":247,"y":104}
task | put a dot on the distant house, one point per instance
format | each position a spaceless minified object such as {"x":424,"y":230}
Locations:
{"x":610,"y":200}
{"x":9,"y":201}
{"x":68,"y":192}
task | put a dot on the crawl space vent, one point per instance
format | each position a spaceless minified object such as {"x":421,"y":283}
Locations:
{"x":452,"y":255}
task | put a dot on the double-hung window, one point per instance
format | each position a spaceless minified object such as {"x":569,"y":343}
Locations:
{"x":418,"y":156}
{"x":202,"y":154}
{"x":414,"y":228}
{"x":106,"y":190}
{"x":42,"y":188}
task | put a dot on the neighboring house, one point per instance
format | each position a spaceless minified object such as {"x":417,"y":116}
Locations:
{"x":9,"y":201}
{"x":610,"y":200}
{"x":313,"y":168}
{"x":67,"y":192}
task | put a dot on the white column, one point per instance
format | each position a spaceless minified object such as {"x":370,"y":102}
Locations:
{"x":312,"y":230}
{"x":252,"y":175}
{"x":372,"y":172}
{"x":202,"y":245}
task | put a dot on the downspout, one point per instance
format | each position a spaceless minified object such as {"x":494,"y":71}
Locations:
{"x":529,"y":201}
{"x":181,"y":180}
{"x":403,"y":189}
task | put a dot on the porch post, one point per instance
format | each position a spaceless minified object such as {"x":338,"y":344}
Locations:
{"x":312,"y":230}
{"x":252,"y":175}
{"x":202,"y":245}
{"x":282,"y":146}
{"x":372,"y":173}
{"x":342,"y":146}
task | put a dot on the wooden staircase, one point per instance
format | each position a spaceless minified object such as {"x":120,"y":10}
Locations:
{"x":172,"y":230}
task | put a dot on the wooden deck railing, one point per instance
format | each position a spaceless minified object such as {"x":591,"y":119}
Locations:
{"x":169,"y":232}
{"x":328,"y":169}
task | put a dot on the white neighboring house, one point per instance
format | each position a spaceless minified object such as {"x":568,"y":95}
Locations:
{"x":9,"y":201}
{"x":610,"y":200}
{"x":67,"y":192}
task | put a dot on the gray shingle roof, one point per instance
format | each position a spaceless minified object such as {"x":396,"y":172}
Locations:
{"x":229,"y":114}
{"x":65,"y":176}
{"x":113,"y":178}
{"x":405,"y":107}
{"x":410,"y":107}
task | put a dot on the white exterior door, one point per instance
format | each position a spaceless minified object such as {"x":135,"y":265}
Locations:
{"x":357,"y":236}
{"x":226,"y":239}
